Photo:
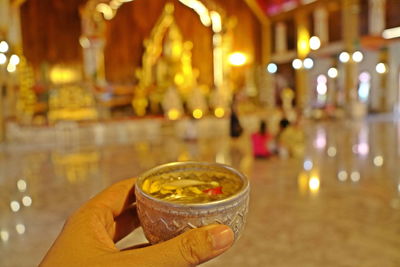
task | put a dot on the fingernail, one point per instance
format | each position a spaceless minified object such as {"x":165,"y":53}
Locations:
{"x":222,"y":236}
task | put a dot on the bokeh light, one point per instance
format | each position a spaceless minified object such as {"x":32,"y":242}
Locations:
{"x":378,"y":161}
{"x":381,"y":68}
{"x":4,"y":235}
{"x":355,"y":176}
{"x":197,"y":113}
{"x":21,"y":185}
{"x":342,"y":175}
{"x":308,"y":165}
{"x":308,"y":63}
{"x":219,"y":112}
{"x":344,"y":57}
{"x":3,"y":58}
{"x":3,"y":46}
{"x":272,"y":68}
{"x":27,"y":201}
{"x":15,"y":206}
{"x":237,"y":59}
{"x":20,"y":228}
{"x":332,"y":73}
{"x":357,"y":56}
{"x":315,"y":43}
{"x":297,"y":64}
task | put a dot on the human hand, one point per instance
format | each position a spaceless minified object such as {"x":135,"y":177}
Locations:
{"x":89,"y":236}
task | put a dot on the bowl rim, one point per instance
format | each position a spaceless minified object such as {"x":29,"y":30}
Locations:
{"x":243,"y":190}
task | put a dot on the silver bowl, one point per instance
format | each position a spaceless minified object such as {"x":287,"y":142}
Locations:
{"x":162,"y":220}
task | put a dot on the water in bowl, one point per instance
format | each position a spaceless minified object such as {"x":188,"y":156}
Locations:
{"x":192,"y":188}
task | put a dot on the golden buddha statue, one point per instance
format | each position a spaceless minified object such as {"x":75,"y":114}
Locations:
{"x":166,"y":63}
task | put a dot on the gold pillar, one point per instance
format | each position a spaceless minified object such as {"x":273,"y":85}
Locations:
{"x":383,"y":84}
{"x":2,"y":120}
{"x":266,"y":42}
{"x":266,"y":48}
{"x":303,"y":48}
{"x":280,"y":37}
{"x":321,"y":26}
{"x":93,"y":40}
{"x":377,"y":16}
{"x":350,"y":15}
{"x":269,"y":82}
{"x":266,"y":30}
{"x":4,"y":16}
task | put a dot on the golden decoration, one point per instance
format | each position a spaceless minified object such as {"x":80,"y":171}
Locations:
{"x":71,"y":102}
{"x":26,"y":99}
{"x":166,"y":62}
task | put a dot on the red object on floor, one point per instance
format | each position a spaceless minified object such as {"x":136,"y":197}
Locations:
{"x":260,"y":144}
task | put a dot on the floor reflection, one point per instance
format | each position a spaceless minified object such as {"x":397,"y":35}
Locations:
{"x":339,"y":205}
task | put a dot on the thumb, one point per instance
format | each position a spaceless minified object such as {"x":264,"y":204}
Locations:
{"x":188,"y":249}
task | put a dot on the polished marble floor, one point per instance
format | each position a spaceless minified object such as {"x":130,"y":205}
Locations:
{"x":339,"y":205}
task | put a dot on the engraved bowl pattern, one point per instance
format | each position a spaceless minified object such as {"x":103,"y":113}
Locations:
{"x":162,"y":220}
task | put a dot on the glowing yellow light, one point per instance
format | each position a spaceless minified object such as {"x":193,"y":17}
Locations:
{"x":63,"y":75}
{"x":115,"y":4}
{"x":4,"y":235}
{"x":217,"y":39}
{"x":218,"y":65}
{"x":314,"y":184}
{"x":106,"y":10}
{"x":219,"y":112}
{"x":331,"y":151}
{"x":302,"y":182}
{"x":378,"y":161}
{"x":20,"y":228}
{"x":21,"y":185}
{"x":197,"y":113}
{"x":11,"y":67}
{"x":173,"y":114}
{"x":27,"y":201}
{"x":391,"y":33}
{"x":381,"y":68}
{"x":237,"y":59}
{"x":179,"y":79}
{"x":355,"y":176}
{"x":3,"y":58}
{"x":200,"y":9}
{"x":184,"y":156}
{"x":3,"y":46}
{"x":303,"y":47}
{"x":342,"y":176}
{"x":14,"y":60}
{"x":216,"y":21}
{"x":14,"y":205}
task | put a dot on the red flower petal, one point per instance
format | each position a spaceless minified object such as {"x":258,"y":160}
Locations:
{"x":214,"y":191}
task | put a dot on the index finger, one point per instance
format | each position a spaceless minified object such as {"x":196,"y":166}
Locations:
{"x":116,"y":198}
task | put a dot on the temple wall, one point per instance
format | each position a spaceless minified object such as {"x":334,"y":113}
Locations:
{"x":51,"y":31}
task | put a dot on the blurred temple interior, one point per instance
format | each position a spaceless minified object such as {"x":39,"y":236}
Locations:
{"x":302,"y":96}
